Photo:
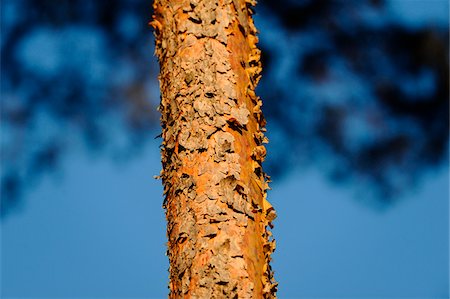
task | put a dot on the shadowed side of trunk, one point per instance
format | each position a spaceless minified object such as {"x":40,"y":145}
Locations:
{"x":215,"y":190}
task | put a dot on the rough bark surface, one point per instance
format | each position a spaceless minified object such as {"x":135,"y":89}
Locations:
{"x":219,"y":244}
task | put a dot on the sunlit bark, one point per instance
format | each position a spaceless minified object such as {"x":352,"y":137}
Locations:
{"x":219,"y":245}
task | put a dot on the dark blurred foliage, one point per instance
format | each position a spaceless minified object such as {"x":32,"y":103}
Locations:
{"x":346,"y":86}
{"x":73,"y":73}
{"x":358,"y":91}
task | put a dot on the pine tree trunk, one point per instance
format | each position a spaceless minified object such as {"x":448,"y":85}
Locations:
{"x":219,"y":245}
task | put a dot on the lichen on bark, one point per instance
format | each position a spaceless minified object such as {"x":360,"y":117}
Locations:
{"x":219,"y":244}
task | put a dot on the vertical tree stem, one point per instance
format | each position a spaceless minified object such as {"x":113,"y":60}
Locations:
{"x":219,"y":245}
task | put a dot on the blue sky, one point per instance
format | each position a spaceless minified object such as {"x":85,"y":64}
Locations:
{"x":97,"y":230}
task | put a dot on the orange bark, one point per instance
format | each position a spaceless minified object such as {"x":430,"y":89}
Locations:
{"x":219,"y":245}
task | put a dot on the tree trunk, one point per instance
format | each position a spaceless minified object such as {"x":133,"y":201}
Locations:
{"x":219,"y":245}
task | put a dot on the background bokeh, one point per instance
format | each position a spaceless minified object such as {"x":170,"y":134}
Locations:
{"x":356,"y":95}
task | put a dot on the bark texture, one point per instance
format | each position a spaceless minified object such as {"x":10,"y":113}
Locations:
{"x":219,"y":245}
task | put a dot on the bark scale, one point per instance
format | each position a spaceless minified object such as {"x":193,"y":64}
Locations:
{"x":219,"y":244}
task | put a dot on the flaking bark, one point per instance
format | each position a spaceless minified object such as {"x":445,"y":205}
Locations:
{"x":219,"y":245}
